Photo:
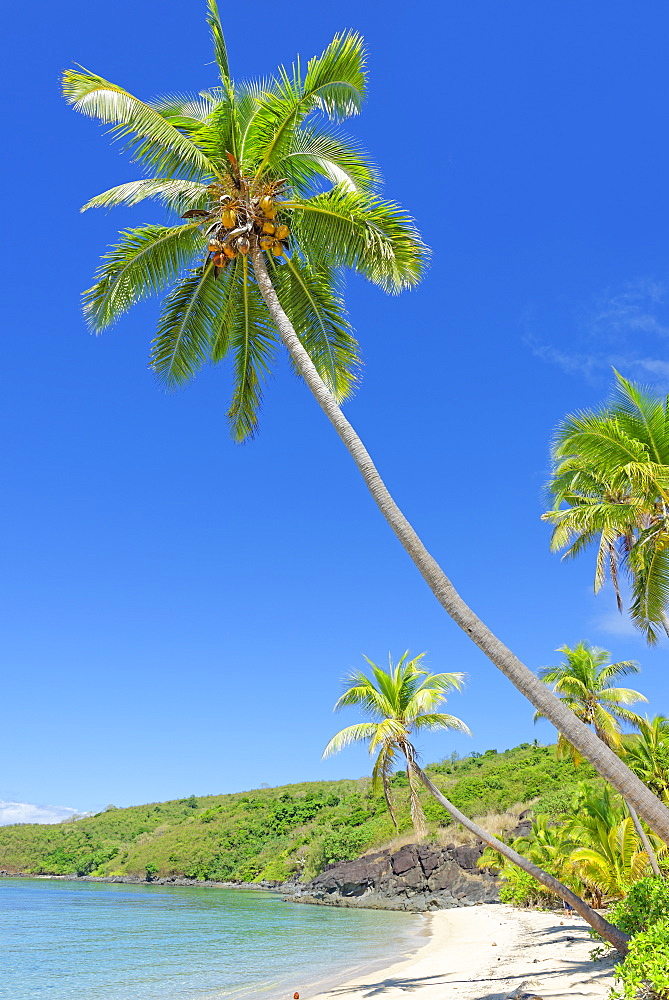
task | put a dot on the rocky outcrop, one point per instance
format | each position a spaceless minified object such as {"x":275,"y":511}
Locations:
{"x":418,"y":877}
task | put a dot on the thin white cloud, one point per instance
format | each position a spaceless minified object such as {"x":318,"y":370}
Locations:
{"x":627,"y":329}
{"x":26,"y":812}
{"x":634,"y":309}
{"x":613,"y":623}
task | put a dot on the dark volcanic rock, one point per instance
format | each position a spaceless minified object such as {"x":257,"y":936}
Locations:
{"x":417,"y":877}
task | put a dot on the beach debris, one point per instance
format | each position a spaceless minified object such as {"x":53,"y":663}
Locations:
{"x":494,"y":944}
{"x":296,"y":996}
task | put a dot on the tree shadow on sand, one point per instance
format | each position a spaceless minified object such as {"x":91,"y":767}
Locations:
{"x":499,"y":986}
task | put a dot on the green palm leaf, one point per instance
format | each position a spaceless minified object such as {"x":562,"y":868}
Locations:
{"x":650,"y":591}
{"x":334,"y":84}
{"x":355,"y":229}
{"x":155,"y":141}
{"x":252,"y":342}
{"x":440,"y":720}
{"x":142,"y":264}
{"x":315,"y":154}
{"x":310,"y":299}
{"x":191,"y":314}
{"x":178,"y":195}
{"x":362,"y":732}
{"x":220,"y":50}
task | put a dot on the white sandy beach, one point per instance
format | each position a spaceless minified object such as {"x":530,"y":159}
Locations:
{"x":487,"y":952}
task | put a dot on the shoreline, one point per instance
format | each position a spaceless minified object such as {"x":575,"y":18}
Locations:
{"x":176,"y":881}
{"x":488,"y":952}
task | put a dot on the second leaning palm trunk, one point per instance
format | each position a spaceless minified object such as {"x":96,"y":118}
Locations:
{"x":600,"y":756}
{"x":605,"y":929}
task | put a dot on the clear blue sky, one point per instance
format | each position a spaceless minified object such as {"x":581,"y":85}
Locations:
{"x":178,"y":610}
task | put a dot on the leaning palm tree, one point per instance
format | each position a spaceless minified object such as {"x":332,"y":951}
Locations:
{"x":401,"y":701}
{"x":610,"y":485}
{"x":585,"y":682}
{"x":275,"y":204}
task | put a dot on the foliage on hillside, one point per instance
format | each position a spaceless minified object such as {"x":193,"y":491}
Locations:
{"x":271,"y":833}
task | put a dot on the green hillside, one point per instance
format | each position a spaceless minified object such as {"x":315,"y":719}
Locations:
{"x":271,"y":833}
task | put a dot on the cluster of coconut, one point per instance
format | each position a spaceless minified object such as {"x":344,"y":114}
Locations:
{"x":239,"y":221}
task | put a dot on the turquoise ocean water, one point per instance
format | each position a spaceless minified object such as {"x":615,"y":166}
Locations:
{"x":98,"y":941}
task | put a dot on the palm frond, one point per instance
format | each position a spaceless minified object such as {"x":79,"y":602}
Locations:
{"x":361,"y":691}
{"x":311,"y":300}
{"x":650,"y":591}
{"x":354,"y":229}
{"x":178,"y":195}
{"x":361,"y":732}
{"x":220,"y":50}
{"x":315,"y":154}
{"x":186,"y":329}
{"x":439,"y":720}
{"x":642,"y":415}
{"x":155,"y":141}
{"x":381,"y":774}
{"x":334,"y":84}
{"x":141,"y":264}
{"x":252,"y":342}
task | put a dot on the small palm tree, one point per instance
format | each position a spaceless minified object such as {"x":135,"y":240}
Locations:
{"x":585,"y":682}
{"x":611,"y":488}
{"x":275,"y":204}
{"x":401,"y":701}
{"x":607,"y":853}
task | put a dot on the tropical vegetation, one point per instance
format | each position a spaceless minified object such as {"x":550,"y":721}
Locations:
{"x":645,"y":971}
{"x":610,"y":486}
{"x":594,"y":848}
{"x":648,"y":754}
{"x":402,"y":701}
{"x":586,"y":682}
{"x":293,"y":829}
{"x":644,"y":913}
{"x":274,"y":203}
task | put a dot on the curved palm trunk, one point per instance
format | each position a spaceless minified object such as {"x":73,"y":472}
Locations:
{"x":604,"y":760}
{"x":606,"y":930}
{"x":417,"y":814}
{"x":647,"y":846}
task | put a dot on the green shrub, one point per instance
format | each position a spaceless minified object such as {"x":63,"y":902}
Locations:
{"x":521,"y":889}
{"x":278,"y":870}
{"x":645,"y":971}
{"x":646,"y":903}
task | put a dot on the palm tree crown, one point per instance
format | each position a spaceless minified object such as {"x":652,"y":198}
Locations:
{"x":401,"y":701}
{"x":249,"y":166}
{"x":585,"y":681}
{"x":611,"y":487}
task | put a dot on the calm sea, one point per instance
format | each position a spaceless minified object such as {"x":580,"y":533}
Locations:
{"x":87,"y":940}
